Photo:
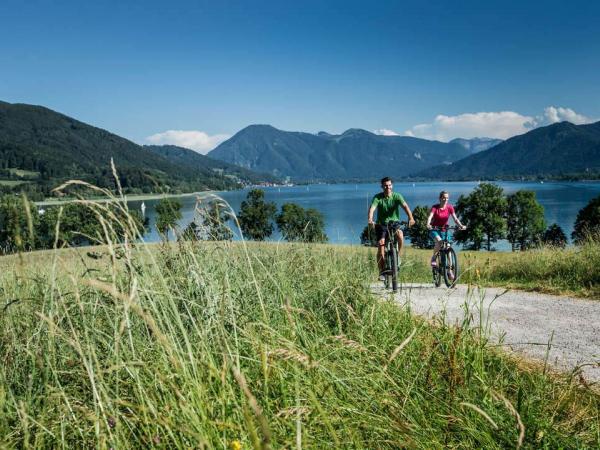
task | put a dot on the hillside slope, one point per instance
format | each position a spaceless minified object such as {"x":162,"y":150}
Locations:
{"x":203,"y":164}
{"x":558,"y":150}
{"x":51,"y":147}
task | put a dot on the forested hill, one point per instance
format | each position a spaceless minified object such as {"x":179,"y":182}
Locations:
{"x":353,"y":155}
{"x":41,"y":147}
{"x":194,"y":160}
{"x":561,"y":150}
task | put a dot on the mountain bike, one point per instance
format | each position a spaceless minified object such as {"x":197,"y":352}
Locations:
{"x":391,"y":257}
{"x":446,"y":260}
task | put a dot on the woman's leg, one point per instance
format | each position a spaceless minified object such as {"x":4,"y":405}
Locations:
{"x":436,"y":248}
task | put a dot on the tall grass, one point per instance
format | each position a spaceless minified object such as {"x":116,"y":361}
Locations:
{"x":572,"y":271}
{"x":222,"y":345}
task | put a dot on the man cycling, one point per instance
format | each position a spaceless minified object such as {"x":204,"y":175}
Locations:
{"x":387,"y":204}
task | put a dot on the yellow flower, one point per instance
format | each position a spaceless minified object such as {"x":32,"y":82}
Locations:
{"x":235,"y":445}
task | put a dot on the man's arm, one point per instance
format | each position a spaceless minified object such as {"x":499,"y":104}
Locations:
{"x":408,"y":212}
{"x":371,"y":213}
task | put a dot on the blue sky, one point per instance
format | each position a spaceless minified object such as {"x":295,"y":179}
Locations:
{"x":434,"y":69}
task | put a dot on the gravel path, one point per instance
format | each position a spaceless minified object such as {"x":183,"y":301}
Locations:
{"x":524,"y":322}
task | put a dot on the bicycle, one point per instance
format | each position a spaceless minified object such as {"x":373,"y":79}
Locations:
{"x":391,"y":257}
{"x":446,"y":260}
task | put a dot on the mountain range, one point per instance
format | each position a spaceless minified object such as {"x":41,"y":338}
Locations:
{"x":356,"y":154}
{"x":41,"y":148}
{"x":560,"y":150}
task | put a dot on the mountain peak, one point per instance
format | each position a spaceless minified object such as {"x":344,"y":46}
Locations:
{"x":356,"y":132}
{"x":259,"y":127}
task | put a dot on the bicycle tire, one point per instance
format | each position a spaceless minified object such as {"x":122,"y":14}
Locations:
{"x":451,"y":267}
{"x":386,"y":270}
{"x":394,"y":268}
{"x":437,"y":270}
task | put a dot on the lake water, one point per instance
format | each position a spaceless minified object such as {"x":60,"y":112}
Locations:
{"x":345,"y":205}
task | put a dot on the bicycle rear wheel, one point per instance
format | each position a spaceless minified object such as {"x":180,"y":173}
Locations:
{"x":451,"y":268}
{"x":437,"y":270}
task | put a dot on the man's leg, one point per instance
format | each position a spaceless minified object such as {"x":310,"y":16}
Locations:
{"x":381,"y":254}
{"x":400,"y":240}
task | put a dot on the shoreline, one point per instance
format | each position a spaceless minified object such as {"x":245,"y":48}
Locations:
{"x":127,"y":198}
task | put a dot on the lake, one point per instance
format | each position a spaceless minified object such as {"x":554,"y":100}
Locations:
{"x":345,"y":205}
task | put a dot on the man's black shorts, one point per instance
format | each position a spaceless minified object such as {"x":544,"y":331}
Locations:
{"x":381,"y":231}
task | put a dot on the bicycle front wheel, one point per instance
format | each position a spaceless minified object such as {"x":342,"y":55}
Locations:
{"x":437,"y":270}
{"x":451,"y":268}
{"x":394,"y":267}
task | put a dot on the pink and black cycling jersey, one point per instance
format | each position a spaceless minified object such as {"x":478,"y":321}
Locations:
{"x":441,"y":216}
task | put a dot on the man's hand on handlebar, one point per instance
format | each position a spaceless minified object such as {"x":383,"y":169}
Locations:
{"x":411,"y":222}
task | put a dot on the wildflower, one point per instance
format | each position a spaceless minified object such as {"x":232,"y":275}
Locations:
{"x":235,"y":445}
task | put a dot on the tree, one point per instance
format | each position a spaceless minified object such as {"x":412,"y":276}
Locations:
{"x":587,"y":223}
{"x":168,"y":211}
{"x":193,"y":232}
{"x":555,"y":237}
{"x":255,"y":216}
{"x":525,"y":220}
{"x":80,"y":225}
{"x":418,"y":233}
{"x":302,"y":225}
{"x":483,"y":212}
{"x":368,"y":237}
{"x":19,"y":221}
{"x":214,"y":223}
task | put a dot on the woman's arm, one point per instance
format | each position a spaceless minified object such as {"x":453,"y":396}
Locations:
{"x":457,"y":222}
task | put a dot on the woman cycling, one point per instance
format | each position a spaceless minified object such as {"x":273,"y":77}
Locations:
{"x":438,"y":218}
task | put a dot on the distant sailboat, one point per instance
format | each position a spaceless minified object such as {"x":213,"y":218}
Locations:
{"x":143,"y":208}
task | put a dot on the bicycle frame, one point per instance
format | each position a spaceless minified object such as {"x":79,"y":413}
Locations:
{"x":391,"y":257}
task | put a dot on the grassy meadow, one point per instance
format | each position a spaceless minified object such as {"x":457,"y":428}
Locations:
{"x":233,"y":345}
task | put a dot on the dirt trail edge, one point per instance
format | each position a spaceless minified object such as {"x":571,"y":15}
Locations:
{"x":564,"y":330}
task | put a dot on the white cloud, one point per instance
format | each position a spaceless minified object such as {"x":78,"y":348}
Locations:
{"x":500,"y":125}
{"x":196,"y":140}
{"x":386,"y":132}
{"x":553,"y":115}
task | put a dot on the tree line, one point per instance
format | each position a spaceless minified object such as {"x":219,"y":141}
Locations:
{"x":257,"y":219}
{"x":491,"y":215}
{"x":25,"y":227}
